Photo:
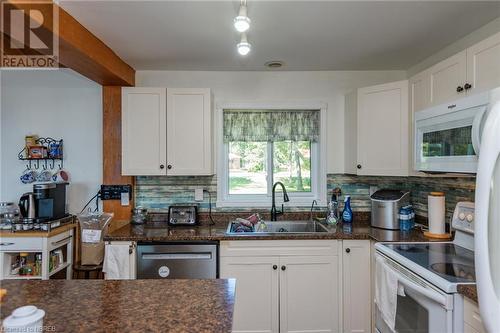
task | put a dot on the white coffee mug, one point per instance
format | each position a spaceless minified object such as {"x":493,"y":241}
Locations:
{"x":60,"y":176}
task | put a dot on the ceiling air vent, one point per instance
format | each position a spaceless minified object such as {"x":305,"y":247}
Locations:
{"x":274,"y":64}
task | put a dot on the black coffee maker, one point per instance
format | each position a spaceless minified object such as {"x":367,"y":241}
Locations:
{"x":49,"y":202}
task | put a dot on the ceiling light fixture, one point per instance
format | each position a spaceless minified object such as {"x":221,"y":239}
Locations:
{"x":242,"y":22}
{"x":244,"y":46}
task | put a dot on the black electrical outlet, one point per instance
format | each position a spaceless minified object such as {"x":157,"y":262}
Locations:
{"x":114,"y":192}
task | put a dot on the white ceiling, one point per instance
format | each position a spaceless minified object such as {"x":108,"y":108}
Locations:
{"x":306,"y":35}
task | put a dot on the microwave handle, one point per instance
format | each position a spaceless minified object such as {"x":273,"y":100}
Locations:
{"x":476,"y":130}
{"x":429,"y":293}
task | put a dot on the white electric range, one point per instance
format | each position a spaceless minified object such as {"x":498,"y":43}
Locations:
{"x":428,"y":275}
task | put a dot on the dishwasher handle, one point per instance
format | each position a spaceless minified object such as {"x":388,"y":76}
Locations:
{"x":177,"y":256}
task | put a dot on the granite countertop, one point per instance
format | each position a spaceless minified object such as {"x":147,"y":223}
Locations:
{"x":162,"y":232}
{"x":126,"y":305}
{"x":469,"y":291}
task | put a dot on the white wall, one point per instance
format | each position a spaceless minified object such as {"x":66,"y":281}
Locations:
{"x":59,"y":104}
{"x":278,"y":86}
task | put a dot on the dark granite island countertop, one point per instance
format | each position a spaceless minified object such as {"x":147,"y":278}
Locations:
{"x":126,"y":305}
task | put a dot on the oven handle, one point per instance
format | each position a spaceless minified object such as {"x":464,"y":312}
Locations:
{"x":429,"y":293}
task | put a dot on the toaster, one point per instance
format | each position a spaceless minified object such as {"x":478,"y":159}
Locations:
{"x":182,"y":215}
{"x":385,"y":208}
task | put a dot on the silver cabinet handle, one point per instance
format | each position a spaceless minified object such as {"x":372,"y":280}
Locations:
{"x":6,"y":244}
{"x":61,"y":241}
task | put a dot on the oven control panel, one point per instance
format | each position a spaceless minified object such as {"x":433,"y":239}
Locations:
{"x":463,"y":217}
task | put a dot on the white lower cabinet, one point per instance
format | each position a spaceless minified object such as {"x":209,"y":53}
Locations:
{"x":356,"y":263}
{"x":257,"y":295}
{"x":284,"y":286}
{"x":309,"y":294}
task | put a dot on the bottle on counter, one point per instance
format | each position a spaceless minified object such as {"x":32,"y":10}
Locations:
{"x":347,"y":212}
{"x":332,"y":209}
{"x":404,"y":219}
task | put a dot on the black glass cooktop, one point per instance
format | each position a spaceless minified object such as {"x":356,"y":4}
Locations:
{"x":452,"y":262}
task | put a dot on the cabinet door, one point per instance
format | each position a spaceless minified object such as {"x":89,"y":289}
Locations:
{"x":483,"y":64}
{"x":383,"y":129}
{"x":309,"y":294}
{"x":419,"y":100}
{"x":189,"y":132}
{"x":446,"y":77}
{"x":419,"y":91}
{"x":356,"y":286}
{"x":144,"y":131}
{"x":256,"y":304}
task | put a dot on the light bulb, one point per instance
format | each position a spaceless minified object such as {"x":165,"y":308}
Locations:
{"x":244,"y":48}
{"x":242,"y":22}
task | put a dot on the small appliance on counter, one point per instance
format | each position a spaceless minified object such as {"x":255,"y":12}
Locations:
{"x":385,"y":208}
{"x":47,"y":202}
{"x":182,"y":215}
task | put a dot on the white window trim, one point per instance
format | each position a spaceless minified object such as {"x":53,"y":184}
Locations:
{"x":264,"y":200}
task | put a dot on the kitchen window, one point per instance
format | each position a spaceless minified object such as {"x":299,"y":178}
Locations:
{"x":261,"y":146}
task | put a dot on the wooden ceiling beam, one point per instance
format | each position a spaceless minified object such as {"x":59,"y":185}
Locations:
{"x":83,"y":52}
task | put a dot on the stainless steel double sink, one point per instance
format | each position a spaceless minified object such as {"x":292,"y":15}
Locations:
{"x":288,"y":227}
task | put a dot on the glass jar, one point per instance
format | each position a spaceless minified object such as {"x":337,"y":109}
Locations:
{"x":9,"y":214}
{"x":140,"y":215}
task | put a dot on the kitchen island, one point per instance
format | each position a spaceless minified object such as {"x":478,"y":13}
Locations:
{"x":126,"y":306}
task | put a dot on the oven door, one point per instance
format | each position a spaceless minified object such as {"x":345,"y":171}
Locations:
{"x":424,"y":308}
{"x":447,"y":138}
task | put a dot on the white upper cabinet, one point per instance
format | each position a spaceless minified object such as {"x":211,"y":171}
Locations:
{"x":144,"y":124}
{"x":382,"y":118}
{"x":471,"y":71}
{"x":189,"y":132}
{"x":166,"y":132}
{"x":447,"y":79}
{"x":483,"y":65}
{"x":420,"y":91}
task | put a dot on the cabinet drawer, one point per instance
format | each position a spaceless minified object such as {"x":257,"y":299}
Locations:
{"x":472,"y":317}
{"x":60,"y":240}
{"x":242,"y":248}
{"x":12,"y":244}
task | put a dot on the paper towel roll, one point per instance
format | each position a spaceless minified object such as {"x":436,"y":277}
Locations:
{"x":436,"y":212}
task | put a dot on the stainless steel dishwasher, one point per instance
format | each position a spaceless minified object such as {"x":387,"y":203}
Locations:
{"x":177,"y":260}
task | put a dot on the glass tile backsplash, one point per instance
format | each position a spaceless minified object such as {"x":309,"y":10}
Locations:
{"x":157,"y":193}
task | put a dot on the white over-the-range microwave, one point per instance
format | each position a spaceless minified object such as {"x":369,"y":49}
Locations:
{"x":448,"y":136}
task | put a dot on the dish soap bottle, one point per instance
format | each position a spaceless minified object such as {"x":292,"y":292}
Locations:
{"x":347,"y":212}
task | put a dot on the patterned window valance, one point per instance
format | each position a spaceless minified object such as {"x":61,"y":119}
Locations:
{"x":271,"y":125}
